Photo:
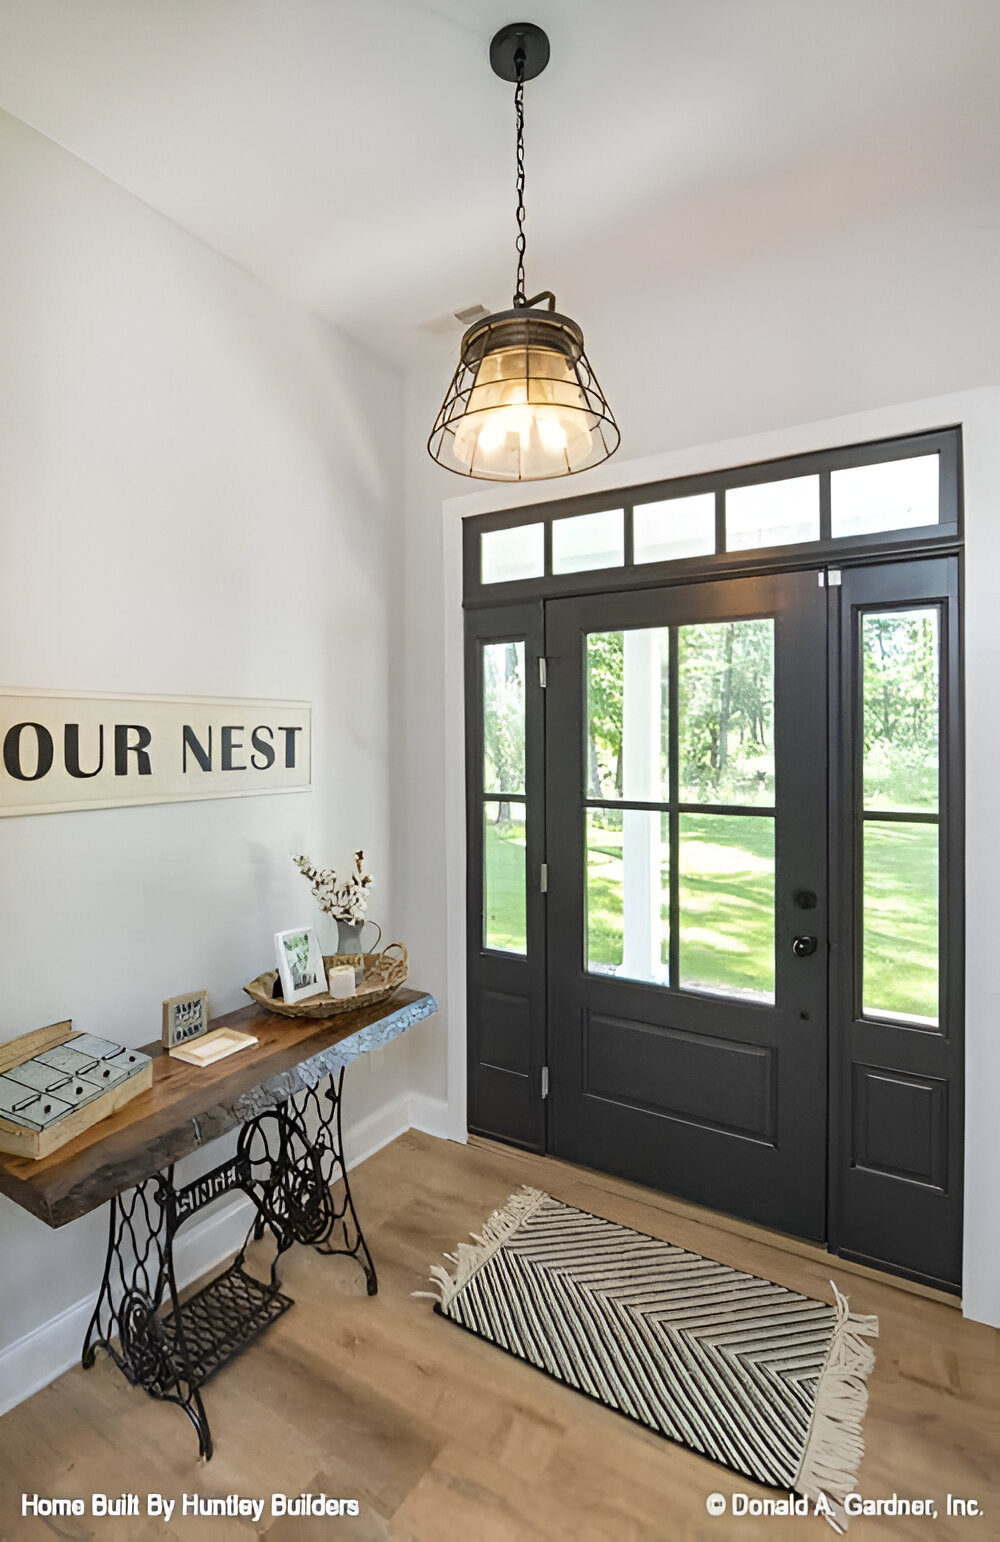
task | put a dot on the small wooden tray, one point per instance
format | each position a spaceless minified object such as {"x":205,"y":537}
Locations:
{"x":22,"y":1141}
{"x":213,"y":1046}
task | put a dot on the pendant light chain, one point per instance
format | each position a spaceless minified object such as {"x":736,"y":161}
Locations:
{"x":520,"y":298}
{"x":524,"y":403}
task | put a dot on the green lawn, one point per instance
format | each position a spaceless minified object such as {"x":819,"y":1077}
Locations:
{"x":901,"y":919}
{"x":503,"y":853}
{"x":726,"y":901}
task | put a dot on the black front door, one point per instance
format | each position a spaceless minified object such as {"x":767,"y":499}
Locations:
{"x":686,"y":833}
{"x":691,"y":810}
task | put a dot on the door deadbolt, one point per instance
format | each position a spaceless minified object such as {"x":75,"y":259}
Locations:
{"x":803,"y":947}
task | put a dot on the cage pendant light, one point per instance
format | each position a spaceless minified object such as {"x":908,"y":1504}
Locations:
{"x":524,"y":403}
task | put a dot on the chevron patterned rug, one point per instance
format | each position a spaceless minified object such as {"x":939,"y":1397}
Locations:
{"x":767,"y":1382}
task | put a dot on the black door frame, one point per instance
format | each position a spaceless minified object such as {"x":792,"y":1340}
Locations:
{"x":492,"y":605}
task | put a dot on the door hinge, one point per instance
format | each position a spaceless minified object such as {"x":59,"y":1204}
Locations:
{"x":545,"y":1081}
{"x":831,"y":577}
{"x":543,"y":671}
{"x":543,"y":878}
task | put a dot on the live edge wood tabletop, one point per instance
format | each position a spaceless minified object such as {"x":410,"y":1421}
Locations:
{"x":188,"y":1106}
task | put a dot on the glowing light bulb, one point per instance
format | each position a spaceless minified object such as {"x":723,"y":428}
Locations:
{"x":551,"y":431}
{"x":526,"y":416}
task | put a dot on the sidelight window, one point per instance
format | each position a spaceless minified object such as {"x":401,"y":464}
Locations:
{"x":900,"y":814}
{"x":504,"y":800}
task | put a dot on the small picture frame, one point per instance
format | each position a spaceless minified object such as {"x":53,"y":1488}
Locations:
{"x":300,"y":963}
{"x":185,"y":1018}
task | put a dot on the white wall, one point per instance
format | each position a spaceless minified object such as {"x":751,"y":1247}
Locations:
{"x":814,"y":347}
{"x":200,"y":492}
{"x":421,"y":796}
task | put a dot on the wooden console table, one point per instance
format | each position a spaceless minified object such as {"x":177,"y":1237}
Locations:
{"x":284,"y":1094}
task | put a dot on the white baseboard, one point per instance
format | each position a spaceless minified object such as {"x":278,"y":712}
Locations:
{"x":42,"y":1354}
{"x":368,"y":1135}
{"x":430,"y":1114}
{"x":37,"y":1358}
{"x":31,"y":1362}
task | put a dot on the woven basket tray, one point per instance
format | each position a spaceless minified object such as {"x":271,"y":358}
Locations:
{"x":383,"y":975}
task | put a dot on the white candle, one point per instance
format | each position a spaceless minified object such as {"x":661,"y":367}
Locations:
{"x":341,"y":981}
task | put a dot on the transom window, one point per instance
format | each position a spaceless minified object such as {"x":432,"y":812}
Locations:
{"x":805,"y":508}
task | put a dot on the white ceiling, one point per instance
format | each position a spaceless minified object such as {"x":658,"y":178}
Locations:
{"x":359,"y":158}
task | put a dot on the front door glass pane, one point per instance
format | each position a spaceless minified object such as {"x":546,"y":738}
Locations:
{"x":628,"y":894}
{"x":726,"y":871}
{"x":503,"y":717}
{"x":900,"y":674}
{"x":726,"y":712}
{"x":626,"y":748}
{"x":900,"y":918}
{"x":504,"y":886}
{"x":900,"y":774}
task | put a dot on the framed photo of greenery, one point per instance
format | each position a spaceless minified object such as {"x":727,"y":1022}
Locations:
{"x":300,"y":963}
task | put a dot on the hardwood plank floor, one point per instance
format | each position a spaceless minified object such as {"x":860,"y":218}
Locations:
{"x":445,"y":1439}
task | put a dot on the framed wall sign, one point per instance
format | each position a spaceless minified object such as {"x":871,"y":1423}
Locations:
{"x":65,"y":751}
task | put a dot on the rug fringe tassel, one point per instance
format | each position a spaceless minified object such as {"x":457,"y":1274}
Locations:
{"x":471,"y":1256}
{"x":835,"y":1445}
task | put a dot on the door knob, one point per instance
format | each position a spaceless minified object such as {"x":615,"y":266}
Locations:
{"x":802,"y":947}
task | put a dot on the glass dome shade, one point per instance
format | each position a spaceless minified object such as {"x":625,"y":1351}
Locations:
{"x":524,"y":404}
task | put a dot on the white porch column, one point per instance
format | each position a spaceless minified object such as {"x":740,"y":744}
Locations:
{"x":641,"y":773}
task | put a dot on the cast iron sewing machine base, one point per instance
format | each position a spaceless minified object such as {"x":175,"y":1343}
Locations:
{"x":286,"y":1161}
